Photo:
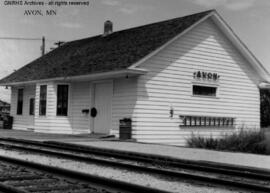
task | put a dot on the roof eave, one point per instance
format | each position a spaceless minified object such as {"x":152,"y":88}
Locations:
{"x":242,"y":48}
{"x":89,"y":77}
{"x":135,"y":65}
{"x":259,"y":68}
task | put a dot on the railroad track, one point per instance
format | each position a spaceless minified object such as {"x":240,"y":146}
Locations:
{"x":210,"y":173}
{"x":18,"y":176}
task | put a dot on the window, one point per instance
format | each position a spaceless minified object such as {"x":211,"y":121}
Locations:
{"x":204,"y":90}
{"x":62,"y":100}
{"x":31,"y":106}
{"x":43,"y":100}
{"x":20,"y":102}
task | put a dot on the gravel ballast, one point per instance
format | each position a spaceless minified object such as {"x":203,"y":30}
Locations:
{"x":172,"y":185}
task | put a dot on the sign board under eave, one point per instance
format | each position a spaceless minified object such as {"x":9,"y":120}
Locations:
{"x":201,"y":75}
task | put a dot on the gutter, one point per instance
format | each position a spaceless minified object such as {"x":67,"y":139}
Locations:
{"x":95,"y":76}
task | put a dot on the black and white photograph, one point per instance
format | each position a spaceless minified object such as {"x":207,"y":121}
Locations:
{"x":134,"y":96}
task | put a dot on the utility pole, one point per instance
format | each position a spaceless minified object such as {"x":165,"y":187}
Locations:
{"x":43,"y":46}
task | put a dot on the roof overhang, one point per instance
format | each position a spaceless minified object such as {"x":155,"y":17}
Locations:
{"x":229,"y":33}
{"x":264,"y":85}
{"x":241,"y":47}
{"x":137,"y":64}
{"x":89,"y":77}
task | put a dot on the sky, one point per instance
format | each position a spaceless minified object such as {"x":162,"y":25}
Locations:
{"x":250,"y":20}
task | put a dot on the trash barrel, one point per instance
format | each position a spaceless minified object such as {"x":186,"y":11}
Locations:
{"x":8,"y":122}
{"x":125,"y":130}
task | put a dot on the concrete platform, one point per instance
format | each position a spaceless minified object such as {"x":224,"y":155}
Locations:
{"x":30,"y":135}
{"x":240,"y":159}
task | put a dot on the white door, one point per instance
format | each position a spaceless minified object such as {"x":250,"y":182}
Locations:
{"x":102,"y":102}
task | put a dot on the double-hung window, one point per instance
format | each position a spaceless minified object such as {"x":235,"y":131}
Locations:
{"x":20,"y":102}
{"x":62,"y":100}
{"x":43,"y":100}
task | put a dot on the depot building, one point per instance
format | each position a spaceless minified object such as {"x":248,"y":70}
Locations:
{"x":170,"y":79}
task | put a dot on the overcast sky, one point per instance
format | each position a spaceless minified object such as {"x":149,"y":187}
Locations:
{"x":250,"y":19}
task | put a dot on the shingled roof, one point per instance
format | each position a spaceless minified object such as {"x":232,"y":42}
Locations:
{"x":116,"y":51}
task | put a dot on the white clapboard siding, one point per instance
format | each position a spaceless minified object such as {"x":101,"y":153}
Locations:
{"x":81,"y":99}
{"x":50,"y":123}
{"x":169,"y":84}
{"x":124,"y":94}
{"x":24,"y":121}
{"x":76,"y":122}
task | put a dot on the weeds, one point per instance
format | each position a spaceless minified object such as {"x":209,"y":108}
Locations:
{"x":243,"y":141}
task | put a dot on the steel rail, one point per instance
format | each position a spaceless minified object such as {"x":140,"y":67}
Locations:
{"x":153,"y":170}
{"x":83,"y":177}
{"x":152,"y":159}
{"x":8,"y":189}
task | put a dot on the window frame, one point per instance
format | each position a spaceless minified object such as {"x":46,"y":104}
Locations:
{"x":67,"y":101}
{"x":205,"y":85}
{"x":40,"y":101}
{"x":20,"y":102}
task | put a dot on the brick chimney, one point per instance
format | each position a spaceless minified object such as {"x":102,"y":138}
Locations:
{"x":108,"y":28}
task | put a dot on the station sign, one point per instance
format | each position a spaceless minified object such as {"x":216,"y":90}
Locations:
{"x":201,"y":75}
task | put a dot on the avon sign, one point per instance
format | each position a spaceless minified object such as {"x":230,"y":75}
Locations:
{"x":206,"y":76}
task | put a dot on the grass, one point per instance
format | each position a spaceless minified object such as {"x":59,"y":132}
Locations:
{"x":243,"y":141}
